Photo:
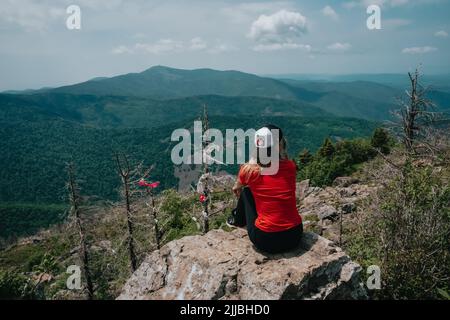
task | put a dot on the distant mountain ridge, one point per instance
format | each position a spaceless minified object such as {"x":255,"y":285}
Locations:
{"x":349,"y":98}
{"x":371,"y":100}
{"x":165,"y":82}
{"x":397,"y":80}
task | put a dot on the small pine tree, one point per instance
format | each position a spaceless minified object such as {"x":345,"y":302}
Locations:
{"x":380,"y":140}
{"x":305,"y":157}
{"x":327,"y":149}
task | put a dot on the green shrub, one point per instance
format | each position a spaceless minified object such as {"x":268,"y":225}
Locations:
{"x":47,"y":264}
{"x":173,"y":206}
{"x":15,"y":286}
{"x":305,"y":157}
{"x":381,"y":140}
{"x":327,"y":149}
{"x":407,"y":233}
{"x":334,"y":160}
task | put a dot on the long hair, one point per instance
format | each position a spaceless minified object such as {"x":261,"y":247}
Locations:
{"x":255,"y":165}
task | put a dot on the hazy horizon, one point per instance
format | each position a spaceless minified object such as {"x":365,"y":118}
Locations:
{"x":295,"y":76}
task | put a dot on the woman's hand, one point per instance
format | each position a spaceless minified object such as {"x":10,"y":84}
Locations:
{"x":237,"y":189}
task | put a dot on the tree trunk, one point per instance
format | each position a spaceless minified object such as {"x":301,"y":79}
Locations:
{"x":124,"y":171}
{"x":157,"y":234}
{"x":84,"y":253}
{"x":410,"y":114}
{"x":205,"y":144}
{"x":130,"y":225}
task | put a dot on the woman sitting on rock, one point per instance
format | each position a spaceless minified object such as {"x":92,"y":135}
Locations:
{"x":267,"y":202}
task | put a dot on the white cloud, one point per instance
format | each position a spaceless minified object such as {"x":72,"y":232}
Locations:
{"x":338,"y":46}
{"x":221,"y":48}
{"x":122,"y":50}
{"x":197,"y":44}
{"x":165,"y":46}
{"x":247,"y":11}
{"x":161,"y":46}
{"x":280,"y":27}
{"x":279,"y":31}
{"x":441,"y":34}
{"x":419,"y":50}
{"x":282,"y":46}
{"x":329,"y":12}
{"x":158,"y":47}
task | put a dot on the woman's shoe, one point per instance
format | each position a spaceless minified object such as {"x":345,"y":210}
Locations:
{"x":232,"y":221}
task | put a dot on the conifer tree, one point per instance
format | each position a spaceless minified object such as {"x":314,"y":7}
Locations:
{"x":305,"y":157}
{"x":380,"y":140}
{"x":327,"y":149}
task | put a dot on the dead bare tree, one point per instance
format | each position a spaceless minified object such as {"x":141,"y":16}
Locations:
{"x":75,"y":202}
{"x":415,"y":112}
{"x":205,"y":195}
{"x":156,"y":228}
{"x":209,"y":183}
{"x":158,"y":232}
{"x":124,"y":170}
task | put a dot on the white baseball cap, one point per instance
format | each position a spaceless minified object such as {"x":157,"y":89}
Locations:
{"x":263,"y":138}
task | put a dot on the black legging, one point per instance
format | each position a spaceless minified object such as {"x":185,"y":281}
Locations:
{"x":271,"y":242}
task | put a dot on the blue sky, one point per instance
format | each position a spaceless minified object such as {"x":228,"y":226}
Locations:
{"x":262,"y":37}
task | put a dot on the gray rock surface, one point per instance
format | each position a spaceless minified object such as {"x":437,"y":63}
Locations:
{"x":344,"y":181}
{"x":321,"y":207}
{"x":327,"y":212}
{"x":225,"y":265}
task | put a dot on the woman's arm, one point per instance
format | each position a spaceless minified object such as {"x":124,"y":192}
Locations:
{"x":237,"y":188}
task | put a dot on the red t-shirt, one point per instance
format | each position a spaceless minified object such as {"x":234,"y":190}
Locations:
{"x":274,"y":197}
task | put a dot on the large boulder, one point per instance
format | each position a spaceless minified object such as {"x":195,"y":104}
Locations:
{"x":225,"y":265}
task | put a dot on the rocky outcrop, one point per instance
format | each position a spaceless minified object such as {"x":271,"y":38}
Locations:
{"x":317,"y":201}
{"x":225,"y":265}
{"x":344,"y":181}
{"x":321,"y":208}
